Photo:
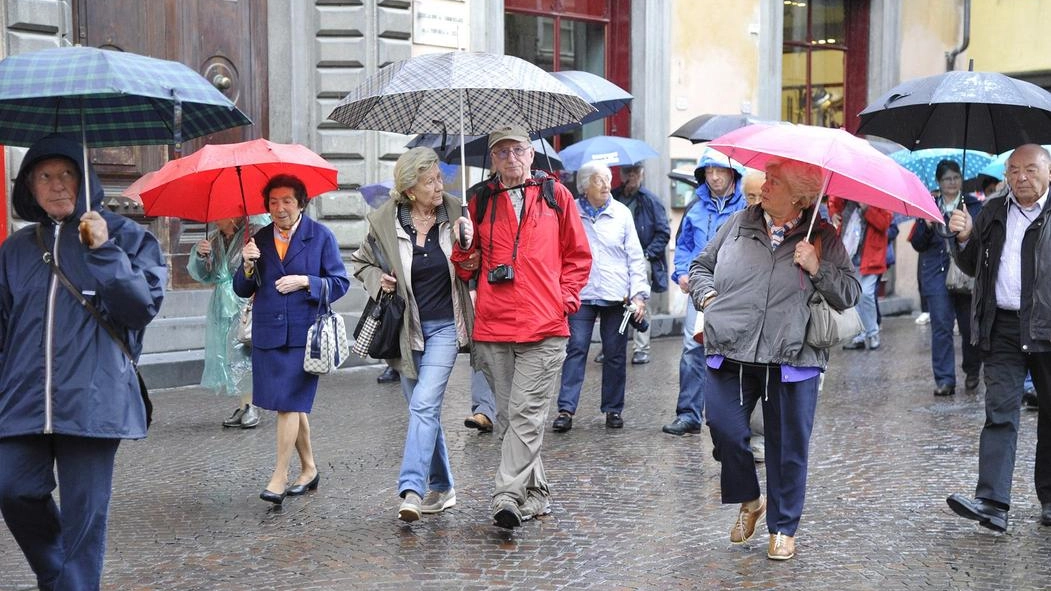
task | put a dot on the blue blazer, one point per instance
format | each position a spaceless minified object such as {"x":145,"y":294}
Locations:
{"x":281,"y":320}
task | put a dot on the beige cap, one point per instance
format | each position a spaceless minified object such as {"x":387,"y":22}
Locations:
{"x":508,"y":132}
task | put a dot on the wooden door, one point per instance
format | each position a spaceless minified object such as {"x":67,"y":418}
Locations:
{"x":224,"y":40}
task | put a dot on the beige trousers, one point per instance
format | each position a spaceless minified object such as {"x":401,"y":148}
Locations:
{"x":525,"y":378}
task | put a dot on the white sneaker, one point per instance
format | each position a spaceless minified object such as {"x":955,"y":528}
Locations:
{"x":923,"y":318}
{"x":438,"y":501}
{"x":409,"y":510}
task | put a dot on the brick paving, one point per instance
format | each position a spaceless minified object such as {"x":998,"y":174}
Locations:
{"x":632,"y":508}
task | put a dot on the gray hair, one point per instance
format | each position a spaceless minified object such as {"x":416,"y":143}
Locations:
{"x":589,"y":170}
{"x":407,"y":171}
{"x":804,"y":180}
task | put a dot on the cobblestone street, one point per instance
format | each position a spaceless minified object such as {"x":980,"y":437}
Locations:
{"x":632,"y":508}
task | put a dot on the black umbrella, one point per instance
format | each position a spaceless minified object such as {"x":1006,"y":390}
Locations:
{"x":984,"y":111}
{"x":705,"y":128}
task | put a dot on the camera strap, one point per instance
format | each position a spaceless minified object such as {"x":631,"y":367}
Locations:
{"x":521,"y":220}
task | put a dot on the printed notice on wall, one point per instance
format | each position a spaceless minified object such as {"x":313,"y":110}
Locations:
{"x":440,"y":22}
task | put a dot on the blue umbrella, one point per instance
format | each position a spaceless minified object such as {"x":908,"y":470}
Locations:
{"x":605,"y":96}
{"x":924,"y":162}
{"x":995,"y":167}
{"x":607,"y":149}
{"x":376,"y":194}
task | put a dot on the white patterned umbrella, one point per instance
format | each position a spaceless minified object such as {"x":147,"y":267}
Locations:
{"x":429,"y":93}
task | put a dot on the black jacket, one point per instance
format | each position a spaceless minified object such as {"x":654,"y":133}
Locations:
{"x":981,"y":259}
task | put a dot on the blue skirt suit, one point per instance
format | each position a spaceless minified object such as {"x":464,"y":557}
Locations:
{"x":280,"y":321}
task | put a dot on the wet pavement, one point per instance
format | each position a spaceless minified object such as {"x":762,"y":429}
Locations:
{"x":632,"y":508}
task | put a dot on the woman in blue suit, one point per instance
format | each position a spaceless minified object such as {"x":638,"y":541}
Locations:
{"x":286,"y":264}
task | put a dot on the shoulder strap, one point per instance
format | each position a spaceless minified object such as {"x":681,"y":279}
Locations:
{"x":50,"y":260}
{"x":377,"y":253}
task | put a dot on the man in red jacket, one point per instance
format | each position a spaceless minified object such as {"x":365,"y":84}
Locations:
{"x":531,"y":256}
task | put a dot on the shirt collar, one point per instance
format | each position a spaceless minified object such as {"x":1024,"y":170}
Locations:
{"x":1039,"y":205}
{"x":590,"y":210}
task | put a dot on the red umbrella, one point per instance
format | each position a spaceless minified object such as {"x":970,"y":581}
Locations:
{"x":226,"y":180}
{"x":853,"y":168}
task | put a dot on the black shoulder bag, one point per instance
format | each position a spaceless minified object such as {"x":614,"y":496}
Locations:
{"x":50,"y":260}
{"x":378,"y":332}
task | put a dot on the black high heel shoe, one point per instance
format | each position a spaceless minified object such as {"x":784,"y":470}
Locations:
{"x":272,"y":497}
{"x":301,"y":489}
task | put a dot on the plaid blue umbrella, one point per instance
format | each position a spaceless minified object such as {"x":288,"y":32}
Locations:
{"x":108,"y":98}
{"x":924,"y":162}
{"x":607,"y":149}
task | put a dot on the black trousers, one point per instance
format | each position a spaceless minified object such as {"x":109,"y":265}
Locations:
{"x":1005,"y":369}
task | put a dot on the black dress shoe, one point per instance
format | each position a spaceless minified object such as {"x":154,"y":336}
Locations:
{"x":389,"y":376}
{"x":972,"y":382}
{"x":980,"y":510}
{"x":945,"y":390}
{"x":1045,"y":514}
{"x":1029,"y":400}
{"x":301,"y":489}
{"x":563,"y":423}
{"x":614,"y":420}
{"x":600,"y":358}
{"x":272,"y":497}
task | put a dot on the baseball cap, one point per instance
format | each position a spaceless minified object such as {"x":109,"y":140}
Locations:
{"x":508,"y":132}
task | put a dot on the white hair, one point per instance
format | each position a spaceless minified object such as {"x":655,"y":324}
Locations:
{"x":589,"y":170}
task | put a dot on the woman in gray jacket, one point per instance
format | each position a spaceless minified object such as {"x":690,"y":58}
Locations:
{"x":753,"y":282}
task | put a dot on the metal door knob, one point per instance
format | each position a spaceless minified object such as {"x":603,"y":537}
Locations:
{"x":221,"y":82}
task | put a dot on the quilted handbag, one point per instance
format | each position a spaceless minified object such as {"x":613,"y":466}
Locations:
{"x":378,"y":332}
{"x":327,"y":344}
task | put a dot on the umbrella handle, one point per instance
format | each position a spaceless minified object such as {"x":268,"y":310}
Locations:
{"x":464,"y":213}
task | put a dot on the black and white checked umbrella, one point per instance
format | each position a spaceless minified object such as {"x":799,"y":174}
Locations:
{"x":430,"y":93}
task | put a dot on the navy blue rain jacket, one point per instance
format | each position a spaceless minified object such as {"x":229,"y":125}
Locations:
{"x":60,"y":371}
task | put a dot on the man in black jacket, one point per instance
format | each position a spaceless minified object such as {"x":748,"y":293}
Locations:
{"x":651,"y":224}
{"x":1007,"y":248}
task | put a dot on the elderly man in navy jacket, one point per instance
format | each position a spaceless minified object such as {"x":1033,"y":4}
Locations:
{"x":651,"y":224}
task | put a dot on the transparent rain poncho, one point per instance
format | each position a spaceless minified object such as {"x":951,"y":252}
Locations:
{"x":227,"y":362}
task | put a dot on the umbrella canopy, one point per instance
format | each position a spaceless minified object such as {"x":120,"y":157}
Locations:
{"x":477,"y":150}
{"x":705,"y":128}
{"x":109,"y":98}
{"x":853,"y":168}
{"x":923,"y":163}
{"x":226,"y":180}
{"x":607,"y":149}
{"x":429,"y":94}
{"x":984,"y":111}
{"x":996,"y":165}
{"x":884,"y":146}
{"x":376,"y":194}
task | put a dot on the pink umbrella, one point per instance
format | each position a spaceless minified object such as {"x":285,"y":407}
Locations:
{"x":853,"y":168}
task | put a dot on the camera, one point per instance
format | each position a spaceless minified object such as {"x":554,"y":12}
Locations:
{"x":629,"y":318}
{"x":501,"y":274}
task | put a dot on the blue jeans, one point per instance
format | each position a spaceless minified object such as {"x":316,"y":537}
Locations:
{"x":482,"y":400}
{"x":425,"y":462}
{"x":614,"y":348}
{"x":867,"y":306}
{"x":693,"y":374}
{"x":945,"y":310}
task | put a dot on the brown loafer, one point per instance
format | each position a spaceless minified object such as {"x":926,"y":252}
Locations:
{"x":744,"y":528}
{"x":782,"y":547}
{"x":479,"y":421}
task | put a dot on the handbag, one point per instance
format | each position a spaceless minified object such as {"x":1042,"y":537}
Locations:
{"x":244,"y":326}
{"x":956,"y":281}
{"x":827,"y":326}
{"x":327,"y":344}
{"x":378,"y":332}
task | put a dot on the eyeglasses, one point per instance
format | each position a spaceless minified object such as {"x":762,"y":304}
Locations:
{"x":65,"y":177}
{"x":505,"y":153}
{"x":951,"y":178}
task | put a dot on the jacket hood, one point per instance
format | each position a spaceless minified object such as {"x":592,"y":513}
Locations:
{"x":707,"y":160}
{"x":50,"y":147}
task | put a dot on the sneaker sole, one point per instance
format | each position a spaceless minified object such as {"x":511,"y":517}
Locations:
{"x":408,"y":515}
{"x":545,"y":511}
{"x":507,"y":519}
{"x":772,"y":557}
{"x":450,"y":502}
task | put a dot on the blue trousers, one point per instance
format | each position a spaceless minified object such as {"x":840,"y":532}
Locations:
{"x":65,"y":547}
{"x":692,"y":374}
{"x":425,"y":462}
{"x":482,"y":400}
{"x":614,"y":348}
{"x":788,"y":414}
{"x":945,"y":309}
